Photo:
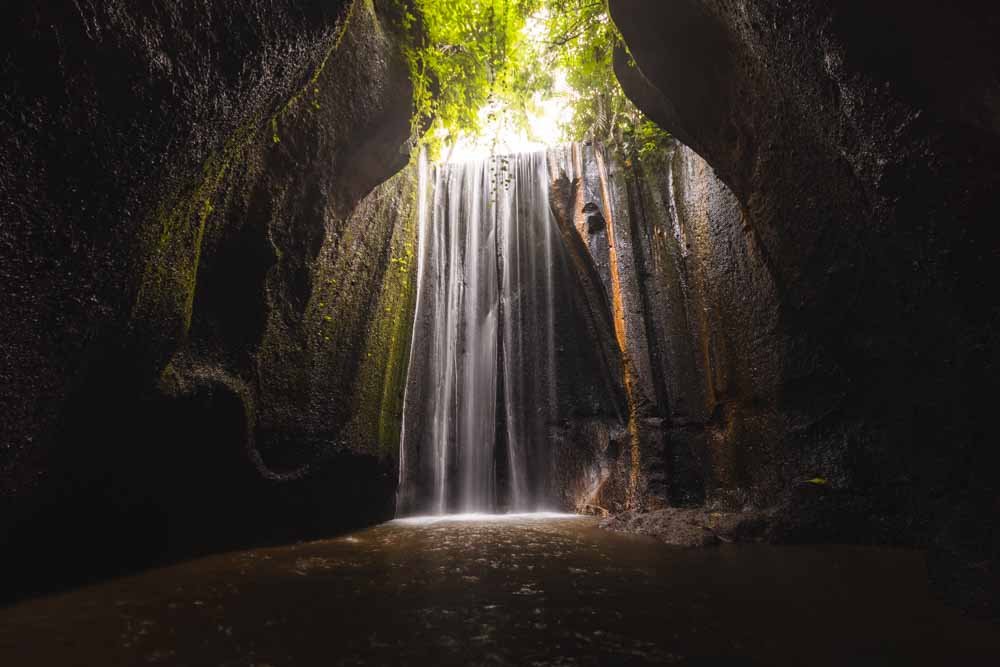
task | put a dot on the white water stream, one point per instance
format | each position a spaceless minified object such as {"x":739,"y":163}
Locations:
{"x":485,"y":267}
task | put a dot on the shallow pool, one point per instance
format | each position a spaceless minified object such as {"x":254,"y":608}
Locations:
{"x":524,"y":590}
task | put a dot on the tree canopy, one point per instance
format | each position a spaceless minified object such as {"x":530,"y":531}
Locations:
{"x":503,"y":56}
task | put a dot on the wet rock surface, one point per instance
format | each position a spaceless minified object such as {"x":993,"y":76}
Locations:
{"x":682,"y":527}
{"x":527,"y":590}
{"x":187,"y":270}
{"x":865,"y":165}
{"x":684,"y":300}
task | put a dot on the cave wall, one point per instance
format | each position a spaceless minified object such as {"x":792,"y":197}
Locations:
{"x":711,"y":364}
{"x":691,"y":314}
{"x":861,"y":142}
{"x":191,"y":263}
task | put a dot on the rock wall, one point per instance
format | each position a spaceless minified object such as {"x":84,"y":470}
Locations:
{"x":188,"y":277}
{"x":861,"y":141}
{"x":692,"y":315}
{"x":711,"y":363}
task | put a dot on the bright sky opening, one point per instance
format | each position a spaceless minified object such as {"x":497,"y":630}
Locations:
{"x":545,"y":120}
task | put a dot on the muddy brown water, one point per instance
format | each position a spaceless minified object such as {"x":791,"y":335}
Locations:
{"x":538,"y":590}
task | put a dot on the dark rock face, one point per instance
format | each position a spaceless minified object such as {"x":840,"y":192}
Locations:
{"x":711,"y":365}
{"x":690,"y":312}
{"x":686,"y":527}
{"x":862,"y":144}
{"x":188,"y":278}
{"x":593,"y":445}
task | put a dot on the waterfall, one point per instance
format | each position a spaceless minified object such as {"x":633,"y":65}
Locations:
{"x":481,"y":390}
{"x":526,"y":241}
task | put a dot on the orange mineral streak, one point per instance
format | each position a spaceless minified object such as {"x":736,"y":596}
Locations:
{"x":629,"y":373}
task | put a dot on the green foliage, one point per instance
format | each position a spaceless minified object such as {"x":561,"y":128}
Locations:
{"x":472,"y":53}
{"x":502,"y":55}
{"x":581,"y":41}
{"x":644,"y":140}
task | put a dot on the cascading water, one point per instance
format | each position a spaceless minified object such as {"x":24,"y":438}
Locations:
{"x":527,"y":238}
{"x":481,"y":389}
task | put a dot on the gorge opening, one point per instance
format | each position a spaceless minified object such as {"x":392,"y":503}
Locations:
{"x":677,"y":346}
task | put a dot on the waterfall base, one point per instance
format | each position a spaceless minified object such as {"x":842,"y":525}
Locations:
{"x":512,"y":591}
{"x":482,"y":517}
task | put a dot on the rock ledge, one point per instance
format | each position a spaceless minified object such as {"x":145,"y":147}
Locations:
{"x":692,"y":527}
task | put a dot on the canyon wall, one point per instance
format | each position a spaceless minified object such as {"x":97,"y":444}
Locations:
{"x":862,"y":144}
{"x":202,"y":329}
{"x":692,"y":314}
{"x":208,"y":285}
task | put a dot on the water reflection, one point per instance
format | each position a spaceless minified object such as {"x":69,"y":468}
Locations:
{"x":506,"y":590}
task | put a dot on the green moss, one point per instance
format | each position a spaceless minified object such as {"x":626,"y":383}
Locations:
{"x":376,"y":396}
{"x":394,"y":381}
{"x":171,"y":250}
{"x":311,"y":87}
{"x":166,"y":293}
{"x":400,"y":327}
